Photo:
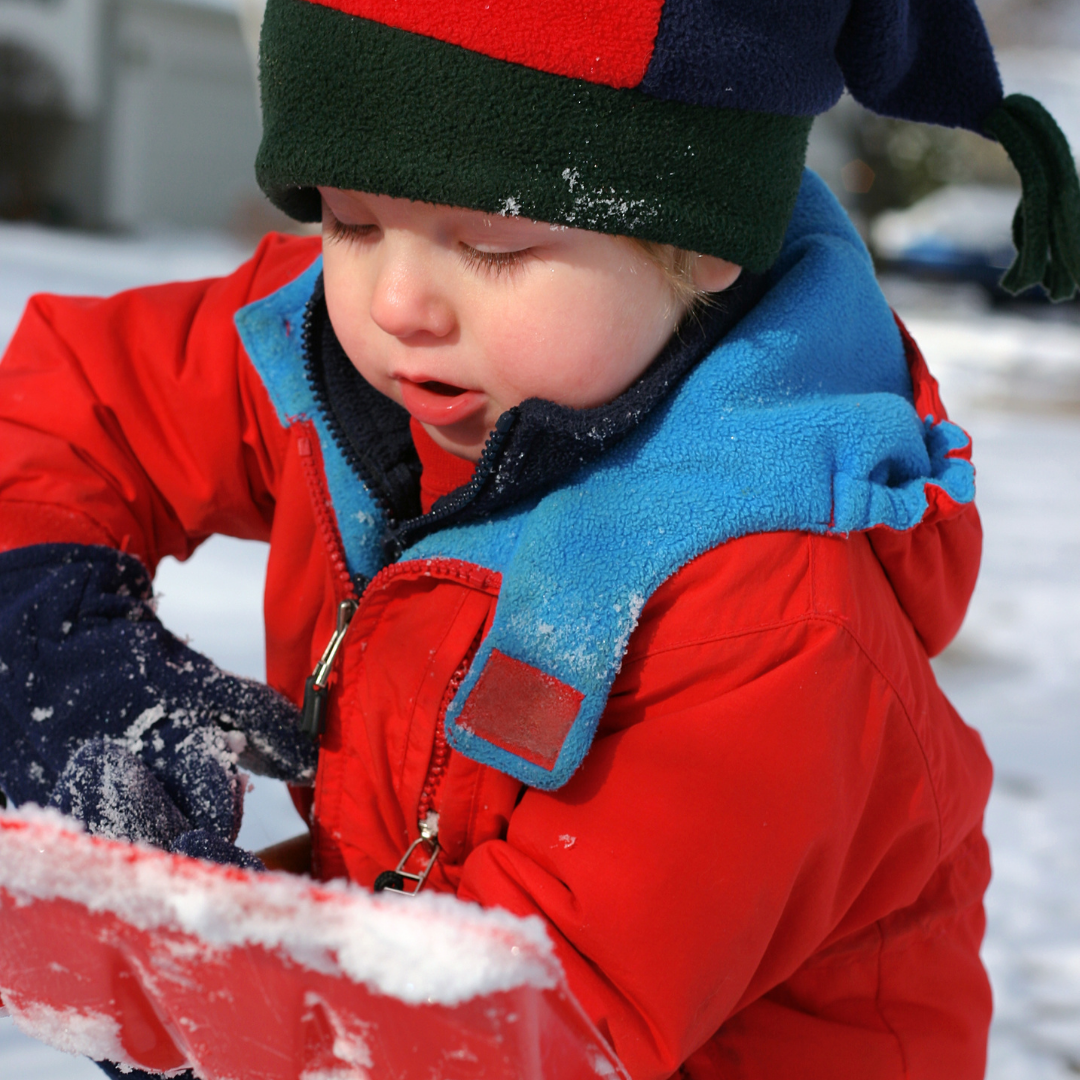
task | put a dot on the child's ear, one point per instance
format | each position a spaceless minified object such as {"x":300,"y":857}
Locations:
{"x":713,"y":274}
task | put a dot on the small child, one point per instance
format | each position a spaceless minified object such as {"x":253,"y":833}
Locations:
{"x":612,"y":516}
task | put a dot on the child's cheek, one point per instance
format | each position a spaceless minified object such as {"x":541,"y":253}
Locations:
{"x":349,"y":311}
{"x":518,"y":359}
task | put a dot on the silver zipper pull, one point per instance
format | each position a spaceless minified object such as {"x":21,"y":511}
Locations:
{"x":313,"y":717}
{"x":429,"y":827}
{"x":394,"y":880}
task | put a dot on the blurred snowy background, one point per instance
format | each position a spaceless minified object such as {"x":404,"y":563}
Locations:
{"x":127,"y":133}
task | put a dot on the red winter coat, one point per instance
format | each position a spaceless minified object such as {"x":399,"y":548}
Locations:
{"x":771,"y":862}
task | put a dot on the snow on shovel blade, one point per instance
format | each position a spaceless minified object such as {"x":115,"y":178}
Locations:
{"x":147,"y":959}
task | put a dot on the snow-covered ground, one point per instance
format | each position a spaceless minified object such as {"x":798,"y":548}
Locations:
{"x":1013,"y":380}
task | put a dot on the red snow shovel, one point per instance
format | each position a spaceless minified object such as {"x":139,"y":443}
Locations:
{"x":153,"y":960}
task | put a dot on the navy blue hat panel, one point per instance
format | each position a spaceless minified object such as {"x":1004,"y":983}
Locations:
{"x":774,"y":56}
{"x":924,"y":60}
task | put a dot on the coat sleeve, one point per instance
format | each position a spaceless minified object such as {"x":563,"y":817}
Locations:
{"x":749,"y":799}
{"x":137,"y":421}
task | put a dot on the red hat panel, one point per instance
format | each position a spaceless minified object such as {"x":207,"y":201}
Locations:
{"x":600,"y":41}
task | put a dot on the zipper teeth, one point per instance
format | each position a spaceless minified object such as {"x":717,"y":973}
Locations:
{"x":345,"y":588}
{"x":440,"y":754}
{"x":318,"y":392}
{"x":469,"y":492}
{"x":443,"y":568}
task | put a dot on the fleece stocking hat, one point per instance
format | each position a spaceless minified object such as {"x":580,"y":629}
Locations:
{"x":678,"y":121}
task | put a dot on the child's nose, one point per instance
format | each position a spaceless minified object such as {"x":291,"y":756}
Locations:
{"x":407,"y":299}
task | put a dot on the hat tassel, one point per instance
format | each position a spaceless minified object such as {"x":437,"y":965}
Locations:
{"x":1046,"y":228}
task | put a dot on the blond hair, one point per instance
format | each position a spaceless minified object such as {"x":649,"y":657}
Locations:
{"x":677,"y":266}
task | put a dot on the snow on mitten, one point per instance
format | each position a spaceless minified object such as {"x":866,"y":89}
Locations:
{"x":114,"y":794}
{"x":109,"y":717}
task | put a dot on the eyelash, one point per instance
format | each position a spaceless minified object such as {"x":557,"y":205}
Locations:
{"x":338,"y":230}
{"x":493,"y":262}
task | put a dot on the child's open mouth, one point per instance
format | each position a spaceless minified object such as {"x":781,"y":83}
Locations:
{"x":439,"y":403}
{"x":442,"y":389}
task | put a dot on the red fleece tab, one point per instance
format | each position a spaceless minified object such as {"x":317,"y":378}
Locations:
{"x":521,"y":709}
{"x":601,"y":41}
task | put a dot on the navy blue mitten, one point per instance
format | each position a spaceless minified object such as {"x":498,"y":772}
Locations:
{"x":110,"y":718}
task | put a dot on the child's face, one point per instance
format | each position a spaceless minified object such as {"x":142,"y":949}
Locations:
{"x":460,"y":315}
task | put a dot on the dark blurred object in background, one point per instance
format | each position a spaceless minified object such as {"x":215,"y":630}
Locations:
{"x":957,"y":233}
{"x":130,"y":115}
{"x":32,"y":127}
{"x":900,"y":163}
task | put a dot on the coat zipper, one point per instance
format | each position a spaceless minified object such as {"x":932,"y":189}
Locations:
{"x":426,"y":815}
{"x":317,"y":686}
{"x":462,"y":497}
{"x":440,"y":754}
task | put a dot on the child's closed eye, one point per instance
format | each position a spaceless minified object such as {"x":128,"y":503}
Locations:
{"x":494,"y":262}
{"x":340,"y":230}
